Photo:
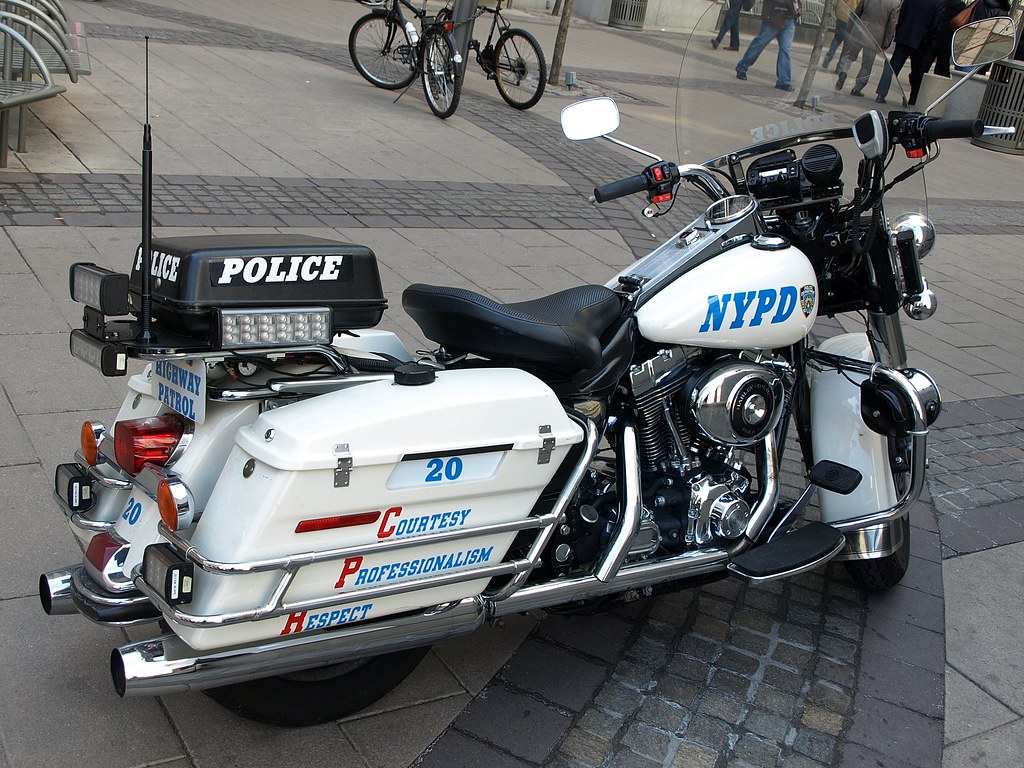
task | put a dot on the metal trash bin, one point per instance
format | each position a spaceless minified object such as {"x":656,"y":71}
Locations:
{"x":1003,"y":104}
{"x":627,"y":14}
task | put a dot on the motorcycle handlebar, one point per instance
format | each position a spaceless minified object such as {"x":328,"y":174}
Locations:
{"x":952,"y":129}
{"x":620,"y":188}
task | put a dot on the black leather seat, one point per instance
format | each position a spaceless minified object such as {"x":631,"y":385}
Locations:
{"x":560,"y":333}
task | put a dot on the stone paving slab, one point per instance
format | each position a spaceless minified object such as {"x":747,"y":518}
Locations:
{"x":801,"y":674}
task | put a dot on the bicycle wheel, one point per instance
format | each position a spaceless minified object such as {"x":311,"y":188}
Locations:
{"x":520,"y":71}
{"x":442,"y":82}
{"x":380,"y":51}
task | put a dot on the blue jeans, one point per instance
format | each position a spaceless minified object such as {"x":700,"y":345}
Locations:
{"x":765,"y":35}
{"x":731,"y":23}
{"x":842,"y":30}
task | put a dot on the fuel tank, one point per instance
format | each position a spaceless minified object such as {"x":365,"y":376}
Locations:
{"x":757,"y":295}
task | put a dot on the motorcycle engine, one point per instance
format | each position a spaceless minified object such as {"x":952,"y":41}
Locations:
{"x":696,"y":421}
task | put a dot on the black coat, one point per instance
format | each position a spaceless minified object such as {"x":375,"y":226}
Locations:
{"x":919,"y":22}
{"x":986,"y":9}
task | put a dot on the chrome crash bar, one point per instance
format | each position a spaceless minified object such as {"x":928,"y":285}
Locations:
{"x":275,"y":605}
{"x":918,"y":434}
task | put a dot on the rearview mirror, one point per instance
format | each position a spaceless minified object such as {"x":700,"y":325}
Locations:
{"x":983,"y":42}
{"x":590,"y":118}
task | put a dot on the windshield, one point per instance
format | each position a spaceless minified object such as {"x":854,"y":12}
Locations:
{"x":728,"y":100}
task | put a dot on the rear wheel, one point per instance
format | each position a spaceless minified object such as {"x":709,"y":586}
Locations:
{"x":320,"y":695}
{"x":520,"y":71}
{"x":883,"y":572}
{"x":442,"y":82}
{"x":380,"y":52}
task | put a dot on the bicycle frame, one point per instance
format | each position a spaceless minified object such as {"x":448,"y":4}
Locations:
{"x":420,"y":15}
{"x":485,"y":55}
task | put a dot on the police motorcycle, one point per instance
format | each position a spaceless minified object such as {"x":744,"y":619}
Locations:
{"x":299,"y":506}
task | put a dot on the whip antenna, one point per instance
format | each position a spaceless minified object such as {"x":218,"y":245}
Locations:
{"x":146,"y":311}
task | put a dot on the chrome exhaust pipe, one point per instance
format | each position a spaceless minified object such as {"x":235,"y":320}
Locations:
{"x":165,"y":664}
{"x":630,"y":576}
{"x":55,"y":593}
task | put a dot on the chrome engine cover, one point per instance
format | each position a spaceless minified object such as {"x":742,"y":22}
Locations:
{"x":736,"y":403}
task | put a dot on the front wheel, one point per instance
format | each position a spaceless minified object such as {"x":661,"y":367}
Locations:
{"x":883,"y":572}
{"x":442,"y":81}
{"x":380,"y":52}
{"x":320,"y":695}
{"x":520,"y":71}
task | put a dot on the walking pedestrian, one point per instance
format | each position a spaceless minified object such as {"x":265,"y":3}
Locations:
{"x":778,"y":22}
{"x":875,"y":32}
{"x":731,"y":24}
{"x":843,"y":10}
{"x":944,"y":36}
{"x":916,"y":34}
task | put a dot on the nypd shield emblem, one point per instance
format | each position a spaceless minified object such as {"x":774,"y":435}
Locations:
{"x":807,"y":300}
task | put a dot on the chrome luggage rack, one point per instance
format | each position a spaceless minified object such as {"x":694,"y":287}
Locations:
{"x":274,"y":605}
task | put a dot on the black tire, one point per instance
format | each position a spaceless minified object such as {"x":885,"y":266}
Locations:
{"x":442,"y":80}
{"x":520,"y":71}
{"x":380,"y":52}
{"x":319,"y":695}
{"x":884,"y":572}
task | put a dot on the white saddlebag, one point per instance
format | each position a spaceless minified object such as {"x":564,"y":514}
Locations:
{"x":362,"y":468}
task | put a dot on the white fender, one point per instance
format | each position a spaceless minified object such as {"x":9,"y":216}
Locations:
{"x":373,"y":341}
{"x":838,"y":433}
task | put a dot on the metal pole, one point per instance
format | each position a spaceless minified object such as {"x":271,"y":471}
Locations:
{"x":464,"y":14}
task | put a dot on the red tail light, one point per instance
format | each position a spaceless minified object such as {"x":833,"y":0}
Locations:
{"x":102,"y":547}
{"x":138,"y":441}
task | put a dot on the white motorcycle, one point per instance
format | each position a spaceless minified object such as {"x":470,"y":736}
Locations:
{"x":304,"y":505}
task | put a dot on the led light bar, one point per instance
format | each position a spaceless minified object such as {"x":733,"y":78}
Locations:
{"x":99,"y":288}
{"x":109,"y":359}
{"x":273,"y":327}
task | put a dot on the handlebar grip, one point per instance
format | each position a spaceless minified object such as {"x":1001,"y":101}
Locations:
{"x":952,"y":129}
{"x":620,"y":188}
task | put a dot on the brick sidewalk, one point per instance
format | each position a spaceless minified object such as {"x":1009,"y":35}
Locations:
{"x":808,"y":672}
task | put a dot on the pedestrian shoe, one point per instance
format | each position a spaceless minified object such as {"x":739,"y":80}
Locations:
{"x":856,"y":92}
{"x":732,"y":48}
{"x":786,"y":87}
{"x":841,"y":81}
{"x":715,"y":42}
{"x":741,"y":75}
{"x":880,"y":99}
{"x":825,"y":62}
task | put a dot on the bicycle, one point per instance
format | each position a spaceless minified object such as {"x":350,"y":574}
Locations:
{"x":515,"y":63}
{"x":388,"y":50}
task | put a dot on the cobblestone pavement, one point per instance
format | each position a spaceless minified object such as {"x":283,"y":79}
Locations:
{"x":807,"y":672}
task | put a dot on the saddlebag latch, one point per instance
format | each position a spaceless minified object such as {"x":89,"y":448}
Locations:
{"x":547,"y":446}
{"x":344,"y":467}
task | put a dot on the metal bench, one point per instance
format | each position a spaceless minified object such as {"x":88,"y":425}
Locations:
{"x":66,"y":36}
{"x":19,"y":93}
